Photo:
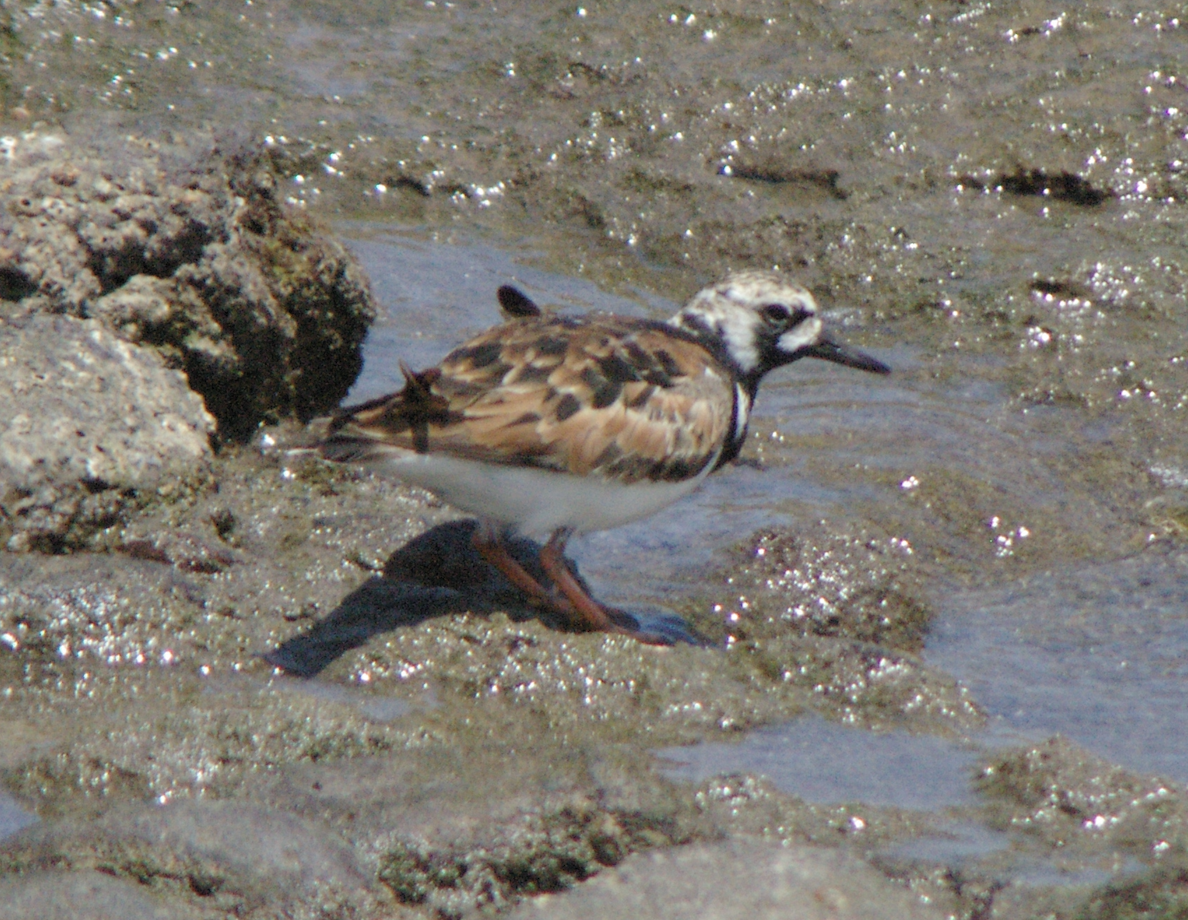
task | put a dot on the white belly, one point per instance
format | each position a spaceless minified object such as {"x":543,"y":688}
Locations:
{"x":533,"y":501}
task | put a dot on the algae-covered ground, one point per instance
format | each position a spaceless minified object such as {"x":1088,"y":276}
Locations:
{"x":255,"y":685}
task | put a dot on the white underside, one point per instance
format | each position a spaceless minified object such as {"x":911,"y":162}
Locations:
{"x":533,"y":501}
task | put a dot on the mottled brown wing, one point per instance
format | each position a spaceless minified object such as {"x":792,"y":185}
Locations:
{"x":624,"y":398}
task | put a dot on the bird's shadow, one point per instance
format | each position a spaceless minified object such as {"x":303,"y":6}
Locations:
{"x":435,"y":574}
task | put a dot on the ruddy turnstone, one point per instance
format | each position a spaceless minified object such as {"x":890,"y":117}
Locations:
{"x":555,"y":425}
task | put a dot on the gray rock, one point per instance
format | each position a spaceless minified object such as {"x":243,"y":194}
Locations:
{"x":213,"y":858}
{"x":90,"y":426}
{"x":237,"y":845}
{"x":741,"y":879}
{"x":187,"y":250}
{"x":85,"y":896}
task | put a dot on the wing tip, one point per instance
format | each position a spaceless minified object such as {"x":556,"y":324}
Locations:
{"x":357,"y":446}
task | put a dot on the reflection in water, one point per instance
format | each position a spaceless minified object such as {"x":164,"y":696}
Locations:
{"x":12,"y":816}
{"x":827,"y":763}
{"x":1098,"y":654}
{"x":956,"y":842}
{"x":376,"y":707}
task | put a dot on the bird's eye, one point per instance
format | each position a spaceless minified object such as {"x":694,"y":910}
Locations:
{"x":779,"y":315}
{"x":776,"y":313}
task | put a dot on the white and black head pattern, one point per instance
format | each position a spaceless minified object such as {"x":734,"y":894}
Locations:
{"x":755,"y":321}
{"x":761,"y":319}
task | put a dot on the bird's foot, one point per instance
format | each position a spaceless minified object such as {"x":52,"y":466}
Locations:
{"x":569,"y":599}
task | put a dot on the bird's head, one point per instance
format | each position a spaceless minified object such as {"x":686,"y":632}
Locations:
{"x":760,"y":320}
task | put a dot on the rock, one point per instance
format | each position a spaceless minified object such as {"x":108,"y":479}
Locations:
{"x":739,"y":879}
{"x":1069,"y":798}
{"x":85,"y":896}
{"x":819,"y":582}
{"x":187,"y":250}
{"x":90,"y":426}
{"x":193,"y":859}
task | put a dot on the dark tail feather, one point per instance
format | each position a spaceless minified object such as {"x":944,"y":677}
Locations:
{"x":516,"y":303}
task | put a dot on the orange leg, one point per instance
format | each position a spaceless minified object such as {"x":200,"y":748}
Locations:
{"x":585,"y":612}
{"x":489,"y":544}
{"x":577,"y":607}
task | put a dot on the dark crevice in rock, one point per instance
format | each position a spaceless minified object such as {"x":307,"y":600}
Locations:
{"x":15,"y":284}
{"x":1062,"y":186}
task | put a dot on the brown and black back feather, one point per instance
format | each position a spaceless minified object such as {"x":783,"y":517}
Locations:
{"x":627,"y":399}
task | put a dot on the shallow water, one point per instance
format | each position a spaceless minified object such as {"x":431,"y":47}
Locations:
{"x":827,"y":763}
{"x":12,"y":816}
{"x":377,"y":708}
{"x":1099,"y":654}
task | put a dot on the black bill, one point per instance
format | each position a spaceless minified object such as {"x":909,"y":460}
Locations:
{"x":843,"y":354}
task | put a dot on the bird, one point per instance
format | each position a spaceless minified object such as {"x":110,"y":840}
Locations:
{"x":551,"y":425}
